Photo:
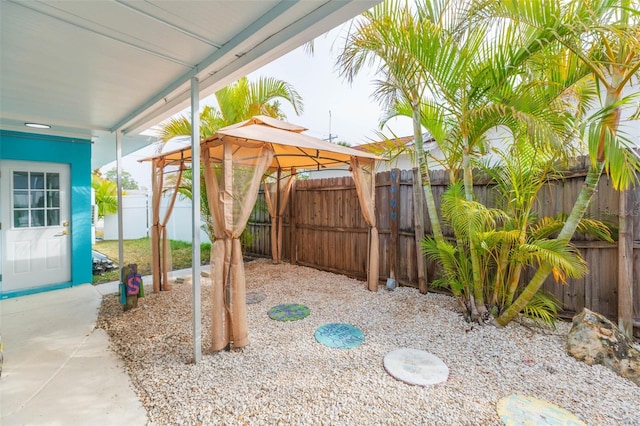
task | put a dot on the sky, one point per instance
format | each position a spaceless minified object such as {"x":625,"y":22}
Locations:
{"x":331,"y":105}
{"x":354,"y":113}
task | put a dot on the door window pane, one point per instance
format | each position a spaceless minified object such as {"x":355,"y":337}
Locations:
{"x":53,"y":217}
{"x":37,"y":218}
{"x":20,"y":180}
{"x":53,"y":198}
{"x":20,"y":199}
{"x":21,"y":218}
{"x":37,"y":199}
{"x":53,"y":180}
{"x":37,"y":180}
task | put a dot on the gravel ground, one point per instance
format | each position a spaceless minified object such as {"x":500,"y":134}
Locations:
{"x":285,"y":377}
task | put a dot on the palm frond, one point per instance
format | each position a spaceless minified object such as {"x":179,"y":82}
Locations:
{"x":547,"y":226}
{"x":468,"y":218}
{"x":456,"y":267}
{"x":180,"y":126}
{"x":496,"y":238}
{"x":390,"y":148}
{"x":106,"y":195}
{"x":564,"y":258}
{"x":542,"y":309}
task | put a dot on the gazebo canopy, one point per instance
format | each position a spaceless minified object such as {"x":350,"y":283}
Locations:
{"x":291,"y":148}
{"x":234,"y":161}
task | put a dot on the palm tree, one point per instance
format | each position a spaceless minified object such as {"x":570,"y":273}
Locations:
{"x":604,"y":35}
{"x":106,"y":195}
{"x":458,"y":84}
{"x":380,"y":38}
{"x":236,"y":102}
{"x":523,"y":239}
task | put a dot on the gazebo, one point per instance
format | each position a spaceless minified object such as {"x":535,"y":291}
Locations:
{"x":235,"y":159}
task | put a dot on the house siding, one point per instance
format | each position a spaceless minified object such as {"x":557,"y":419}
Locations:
{"x":77,"y":154}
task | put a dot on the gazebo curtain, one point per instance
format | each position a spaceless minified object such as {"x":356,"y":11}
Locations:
{"x":159,"y":244}
{"x":232,"y":184}
{"x":364,"y":176}
{"x":277,"y":197}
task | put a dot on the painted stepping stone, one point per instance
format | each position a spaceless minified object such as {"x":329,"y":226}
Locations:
{"x":339,"y":335}
{"x":416,"y":367}
{"x":520,"y":410}
{"x":255,"y":297}
{"x":288,"y":312}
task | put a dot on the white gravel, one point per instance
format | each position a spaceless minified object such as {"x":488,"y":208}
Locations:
{"x":285,"y":377}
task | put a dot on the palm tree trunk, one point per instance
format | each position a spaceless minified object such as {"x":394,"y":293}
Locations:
{"x":512,"y":285}
{"x":569,"y":228}
{"x":426,"y":178}
{"x":502,"y":278}
{"x":514,"y":276}
{"x":478,"y":285}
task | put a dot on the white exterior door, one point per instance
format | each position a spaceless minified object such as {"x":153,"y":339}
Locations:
{"x":35,"y":233}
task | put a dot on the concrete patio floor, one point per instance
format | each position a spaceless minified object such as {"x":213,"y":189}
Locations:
{"x":58,"y":368}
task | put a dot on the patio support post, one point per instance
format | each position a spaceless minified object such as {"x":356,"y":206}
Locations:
{"x":195,"y":211}
{"x":278,"y":221}
{"x":157,"y":168}
{"x":119,"y":198}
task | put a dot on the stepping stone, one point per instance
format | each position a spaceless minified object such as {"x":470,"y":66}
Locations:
{"x":288,"y":312}
{"x":339,"y":335}
{"x":255,"y":297}
{"x":416,"y":367}
{"x":520,"y":410}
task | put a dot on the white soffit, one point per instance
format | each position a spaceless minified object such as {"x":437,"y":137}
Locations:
{"x":90,"y":67}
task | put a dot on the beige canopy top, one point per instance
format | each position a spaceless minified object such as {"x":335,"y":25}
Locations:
{"x":291,"y":148}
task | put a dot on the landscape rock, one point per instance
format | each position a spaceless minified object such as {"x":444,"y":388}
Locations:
{"x":596,"y":340}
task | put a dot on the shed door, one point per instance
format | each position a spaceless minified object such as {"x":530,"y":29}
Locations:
{"x":35,"y":239}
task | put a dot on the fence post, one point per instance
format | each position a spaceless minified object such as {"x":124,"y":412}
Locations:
{"x":418,"y":219}
{"x":293,"y":248}
{"x":394,"y":216}
{"x":625,"y":266}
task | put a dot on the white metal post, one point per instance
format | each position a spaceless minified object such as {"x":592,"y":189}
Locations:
{"x":119,"y":198}
{"x":195,"y":210}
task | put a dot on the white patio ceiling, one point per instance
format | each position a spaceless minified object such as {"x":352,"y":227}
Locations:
{"x":89,"y":68}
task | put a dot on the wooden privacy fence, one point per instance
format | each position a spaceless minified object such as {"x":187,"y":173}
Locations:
{"x":324,"y":229}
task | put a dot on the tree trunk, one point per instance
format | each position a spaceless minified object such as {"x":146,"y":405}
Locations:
{"x":625,"y":267}
{"x":418,"y":217}
{"x":426,"y":178}
{"x":569,"y":228}
{"x":478,"y":284}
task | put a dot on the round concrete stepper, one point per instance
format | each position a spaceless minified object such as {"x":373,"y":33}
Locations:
{"x":520,"y":410}
{"x":339,"y":335}
{"x":416,"y":367}
{"x":288,"y":312}
{"x":255,"y":297}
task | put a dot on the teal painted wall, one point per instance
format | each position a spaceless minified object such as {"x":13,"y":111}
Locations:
{"x":76,"y":153}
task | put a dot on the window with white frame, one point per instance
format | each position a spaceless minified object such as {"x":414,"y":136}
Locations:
{"x":36,"y":199}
